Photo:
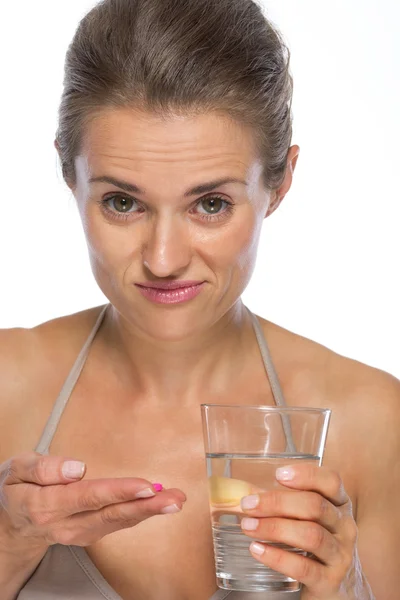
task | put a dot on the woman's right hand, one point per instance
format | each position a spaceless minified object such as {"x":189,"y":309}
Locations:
{"x":40,"y":506}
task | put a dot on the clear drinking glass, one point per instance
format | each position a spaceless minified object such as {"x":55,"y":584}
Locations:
{"x":244,"y":446}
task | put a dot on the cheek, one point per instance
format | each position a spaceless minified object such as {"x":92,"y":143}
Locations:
{"x":108,"y":244}
{"x":233,"y":247}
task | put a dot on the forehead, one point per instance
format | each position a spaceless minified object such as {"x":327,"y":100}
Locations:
{"x":124,"y":138}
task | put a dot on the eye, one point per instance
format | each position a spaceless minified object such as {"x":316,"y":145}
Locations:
{"x":212,"y":206}
{"x":122,"y":204}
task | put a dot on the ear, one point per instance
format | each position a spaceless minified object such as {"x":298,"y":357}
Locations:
{"x":283,"y":189}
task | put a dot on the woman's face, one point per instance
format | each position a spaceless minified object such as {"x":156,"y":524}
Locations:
{"x":145,"y":223}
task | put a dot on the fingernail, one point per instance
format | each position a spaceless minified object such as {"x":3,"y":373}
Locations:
{"x":158,"y":487}
{"x":73,"y":469}
{"x":172,"y":508}
{"x":250,"y":501}
{"x":146,"y":493}
{"x":249,"y":524}
{"x":257,"y":548}
{"x":285,"y":473}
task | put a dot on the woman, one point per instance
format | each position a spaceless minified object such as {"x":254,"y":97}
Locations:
{"x":174,"y":137}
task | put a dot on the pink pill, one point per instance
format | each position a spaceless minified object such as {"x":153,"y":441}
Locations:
{"x":158,"y":487}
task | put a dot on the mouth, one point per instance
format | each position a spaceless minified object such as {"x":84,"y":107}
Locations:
{"x":170,"y":292}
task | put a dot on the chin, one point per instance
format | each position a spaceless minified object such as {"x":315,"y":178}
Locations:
{"x":172,"y":324}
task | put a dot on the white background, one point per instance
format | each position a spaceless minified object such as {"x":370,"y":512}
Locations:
{"x":328,"y":264}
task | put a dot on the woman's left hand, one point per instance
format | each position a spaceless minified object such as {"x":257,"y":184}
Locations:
{"x":317,"y":518}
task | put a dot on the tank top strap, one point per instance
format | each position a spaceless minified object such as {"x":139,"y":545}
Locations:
{"x":274,"y":382}
{"x":267,"y":360}
{"x":66,"y":391}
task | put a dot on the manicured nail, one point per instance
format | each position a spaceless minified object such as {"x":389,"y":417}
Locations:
{"x":285,"y":474}
{"x":158,"y":487}
{"x":172,"y":508}
{"x":249,"y":524}
{"x":73,"y":469}
{"x":257,"y":548}
{"x":250,"y":501}
{"x":146,"y":493}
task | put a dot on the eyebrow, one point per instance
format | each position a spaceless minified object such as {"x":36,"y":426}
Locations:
{"x":198,"y":189}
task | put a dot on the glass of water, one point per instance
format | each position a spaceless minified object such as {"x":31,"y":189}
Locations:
{"x":244,"y":446}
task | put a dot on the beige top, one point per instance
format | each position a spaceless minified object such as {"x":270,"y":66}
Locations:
{"x":67,"y":572}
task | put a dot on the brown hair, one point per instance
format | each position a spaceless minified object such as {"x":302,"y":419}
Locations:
{"x":180,"y":57}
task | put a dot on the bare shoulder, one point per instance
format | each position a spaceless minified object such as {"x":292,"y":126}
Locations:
{"x":27,"y":353}
{"x":33,"y":364}
{"x":308,"y":367}
{"x":363,"y":438}
{"x":367,"y":402}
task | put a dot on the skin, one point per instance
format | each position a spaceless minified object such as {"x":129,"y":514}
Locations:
{"x":151,"y":366}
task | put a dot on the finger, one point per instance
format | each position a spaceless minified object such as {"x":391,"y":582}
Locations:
{"x":57,"y":502}
{"x":308,"y":506}
{"x":298,"y":567}
{"x":306,"y":535}
{"x":317,"y":479}
{"x":85,"y":528}
{"x":32,"y":467}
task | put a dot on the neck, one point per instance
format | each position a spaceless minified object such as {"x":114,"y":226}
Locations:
{"x":185,"y":371}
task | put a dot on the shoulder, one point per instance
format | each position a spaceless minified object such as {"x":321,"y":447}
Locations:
{"x":367,"y":403}
{"x":308,"y":367}
{"x":363,"y":437}
{"x":33,"y":365}
{"x":23,"y":351}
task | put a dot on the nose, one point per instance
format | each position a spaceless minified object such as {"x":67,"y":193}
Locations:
{"x":167,"y":251}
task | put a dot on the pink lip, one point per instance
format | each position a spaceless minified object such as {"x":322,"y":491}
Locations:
{"x":170,"y":292}
{"x":169,"y":285}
